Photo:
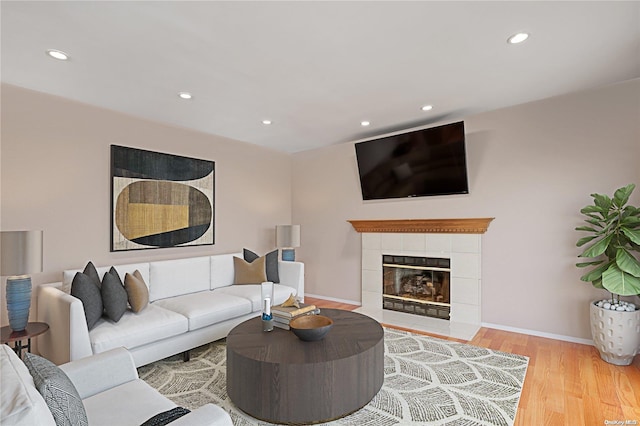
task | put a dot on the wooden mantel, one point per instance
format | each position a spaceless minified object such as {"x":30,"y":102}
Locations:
{"x":425,"y":226}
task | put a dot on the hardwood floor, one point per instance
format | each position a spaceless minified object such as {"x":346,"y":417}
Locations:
{"x":566,"y":383}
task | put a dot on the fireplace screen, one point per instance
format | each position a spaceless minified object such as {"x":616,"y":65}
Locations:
{"x":416,"y":285}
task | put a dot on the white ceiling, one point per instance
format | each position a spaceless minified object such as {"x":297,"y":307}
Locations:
{"x":316,"y":69}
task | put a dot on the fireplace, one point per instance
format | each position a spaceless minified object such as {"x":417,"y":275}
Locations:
{"x":417,"y":285}
{"x":456,"y":243}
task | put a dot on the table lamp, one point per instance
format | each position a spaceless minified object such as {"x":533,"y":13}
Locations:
{"x":20,"y":255}
{"x":287,"y":238}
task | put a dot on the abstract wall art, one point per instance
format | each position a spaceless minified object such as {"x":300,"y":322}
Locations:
{"x":160,"y":200}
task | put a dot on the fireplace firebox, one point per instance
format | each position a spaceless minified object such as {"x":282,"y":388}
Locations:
{"x":416,"y":285}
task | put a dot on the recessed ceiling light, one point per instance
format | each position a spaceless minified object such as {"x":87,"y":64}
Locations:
{"x":266,"y":122}
{"x":517,"y":38}
{"x":364,"y":123}
{"x":427,"y":107}
{"x":58,"y":54}
{"x":185,"y":95}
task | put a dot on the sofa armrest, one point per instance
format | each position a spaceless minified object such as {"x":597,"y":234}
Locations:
{"x":208,"y":414}
{"x":292,"y":275}
{"x":100,"y":372}
{"x":68,"y":335}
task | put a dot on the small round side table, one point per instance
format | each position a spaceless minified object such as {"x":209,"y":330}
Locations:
{"x":7,"y":335}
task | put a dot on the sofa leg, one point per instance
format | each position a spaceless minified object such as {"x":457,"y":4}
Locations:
{"x":186,"y":356}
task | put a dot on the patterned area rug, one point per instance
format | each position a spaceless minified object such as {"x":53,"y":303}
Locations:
{"x":427,"y":381}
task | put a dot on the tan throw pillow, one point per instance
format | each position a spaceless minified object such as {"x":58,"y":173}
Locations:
{"x":137,"y":291}
{"x":249,"y":273}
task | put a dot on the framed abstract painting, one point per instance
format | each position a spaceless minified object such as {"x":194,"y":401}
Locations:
{"x":160,"y":200}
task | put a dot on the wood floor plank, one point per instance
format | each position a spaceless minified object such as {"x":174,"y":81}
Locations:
{"x":566,"y":383}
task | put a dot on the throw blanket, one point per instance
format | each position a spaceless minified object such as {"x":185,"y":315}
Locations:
{"x":166,"y":417}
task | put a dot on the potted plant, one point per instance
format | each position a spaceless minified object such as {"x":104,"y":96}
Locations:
{"x":613,"y":245}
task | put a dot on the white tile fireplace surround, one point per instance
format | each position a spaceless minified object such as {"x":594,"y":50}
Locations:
{"x":456,"y":239}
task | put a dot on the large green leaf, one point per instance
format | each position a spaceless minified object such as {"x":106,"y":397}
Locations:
{"x":595,"y":222}
{"x":631,"y":221}
{"x":598,"y":283}
{"x":586,"y":228}
{"x":632,"y":234}
{"x":594,"y":216}
{"x":583,"y":264}
{"x":598,"y":248}
{"x":627,"y":263}
{"x":596,"y":273}
{"x":619,"y":282}
{"x":621,"y":196}
{"x":592,"y":209}
{"x":584,"y":240}
{"x":602,"y":201}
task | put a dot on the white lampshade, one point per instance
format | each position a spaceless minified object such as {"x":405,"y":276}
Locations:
{"x":20,"y":252}
{"x":287,"y":236}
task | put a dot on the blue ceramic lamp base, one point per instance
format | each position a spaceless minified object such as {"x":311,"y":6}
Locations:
{"x":289,"y":255}
{"x":18,"y":301}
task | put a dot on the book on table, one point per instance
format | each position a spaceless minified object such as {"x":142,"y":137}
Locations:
{"x":283,"y":322}
{"x":282,"y":325}
{"x":287,"y":320}
{"x":291,"y":311}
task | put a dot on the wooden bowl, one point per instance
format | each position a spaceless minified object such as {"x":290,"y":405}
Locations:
{"x":310,"y":328}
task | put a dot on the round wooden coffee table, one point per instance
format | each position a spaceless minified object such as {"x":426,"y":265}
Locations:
{"x":276,"y":377}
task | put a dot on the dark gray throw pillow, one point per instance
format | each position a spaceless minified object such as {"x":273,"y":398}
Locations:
{"x":92,"y":273}
{"x":57,"y":390}
{"x":271,"y":263}
{"x":114,"y":295}
{"x":84,"y":288}
{"x":113,"y":271}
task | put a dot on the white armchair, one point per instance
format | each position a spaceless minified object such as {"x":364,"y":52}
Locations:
{"x":109,"y":387}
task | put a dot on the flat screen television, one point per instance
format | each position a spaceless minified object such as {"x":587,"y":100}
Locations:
{"x":414,"y":164}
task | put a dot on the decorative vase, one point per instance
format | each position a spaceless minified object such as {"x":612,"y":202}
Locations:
{"x":289,"y":255}
{"x":616,"y":334}
{"x":18,"y":301}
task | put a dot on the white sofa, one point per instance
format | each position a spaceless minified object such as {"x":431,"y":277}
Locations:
{"x":192,"y":302}
{"x":109,"y":387}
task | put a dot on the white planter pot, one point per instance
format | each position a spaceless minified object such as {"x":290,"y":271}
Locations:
{"x":615,"y":334}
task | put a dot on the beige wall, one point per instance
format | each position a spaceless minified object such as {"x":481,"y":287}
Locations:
{"x":55,"y":176}
{"x":532,"y":167}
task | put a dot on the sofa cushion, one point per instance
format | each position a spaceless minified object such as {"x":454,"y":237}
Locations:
{"x":20,"y":401}
{"x":170,"y":278}
{"x":131,"y":403}
{"x":84,"y":288}
{"x":222,"y":270}
{"x":137,"y":329}
{"x":271,"y":263}
{"x":253,"y":293}
{"x":57,"y":390}
{"x":249,"y":273}
{"x":114,"y":296}
{"x":137,"y":291}
{"x":207,"y":307}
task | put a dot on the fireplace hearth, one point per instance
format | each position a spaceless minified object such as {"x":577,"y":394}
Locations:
{"x":416,"y":285}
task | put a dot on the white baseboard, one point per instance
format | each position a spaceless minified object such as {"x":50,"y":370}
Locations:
{"x":333,"y":299}
{"x":539,"y":333}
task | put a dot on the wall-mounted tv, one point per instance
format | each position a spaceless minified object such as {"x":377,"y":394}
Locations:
{"x":414,"y":164}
